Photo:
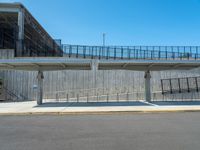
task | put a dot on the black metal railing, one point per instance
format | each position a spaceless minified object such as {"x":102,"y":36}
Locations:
{"x":133,"y":52}
{"x":180,"y":85}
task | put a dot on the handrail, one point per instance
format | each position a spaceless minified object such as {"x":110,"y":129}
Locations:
{"x":182,"y":84}
{"x":12,"y":94}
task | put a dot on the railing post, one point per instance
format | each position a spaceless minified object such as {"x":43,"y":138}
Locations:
{"x":87,"y":97}
{"x":129,"y":53}
{"x":97,"y":96}
{"x":77,"y":97}
{"x":188,"y":85}
{"x":108,"y":49}
{"x":184,"y":51}
{"x":57,"y":98}
{"x":100,"y":52}
{"x":153,"y":51}
{"x":92,"y":55}
{"x":127,"y":96}
{"x":122,"y":51}
{"x":77,"y":51}
{"x":179,"y":85}
{"x":170,"y":86}
{"x":117,"y":97}
{"x":67,"y":97}
{"x":162,"y":86}
{"x":84,"y":51}
{"x":134,"y":52}
{"x":70,"y":50}
{"x":197,"y":87}
{"x":115,"y":53}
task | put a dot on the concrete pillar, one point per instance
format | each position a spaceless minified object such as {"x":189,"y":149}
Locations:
{"x":94,"y":72}
{"x":40,"y":78}
{"x":147,"y":77}
{"x":20,"y":32}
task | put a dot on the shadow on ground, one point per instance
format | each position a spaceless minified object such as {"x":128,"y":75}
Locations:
{"x":91,"y":104}
{"x":175,"y":103}
{"x":104,"y":104}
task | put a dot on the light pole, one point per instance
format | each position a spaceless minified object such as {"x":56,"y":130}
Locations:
{"x":104,"y":39}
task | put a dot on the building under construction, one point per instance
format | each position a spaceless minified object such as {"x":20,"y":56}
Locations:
{"x":20,"y":31}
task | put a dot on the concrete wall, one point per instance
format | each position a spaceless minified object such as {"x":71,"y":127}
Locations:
{"x":22,"y":82}
{"x":6,"y":53}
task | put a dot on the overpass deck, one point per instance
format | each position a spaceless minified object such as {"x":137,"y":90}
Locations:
{"x":53,"y":64}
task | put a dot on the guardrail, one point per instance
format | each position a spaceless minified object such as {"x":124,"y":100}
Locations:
{"x":133,"y":52}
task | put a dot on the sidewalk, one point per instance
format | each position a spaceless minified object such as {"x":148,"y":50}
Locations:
{"x":28,"y":108}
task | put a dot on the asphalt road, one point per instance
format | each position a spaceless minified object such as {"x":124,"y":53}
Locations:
{"x":168,"y":131}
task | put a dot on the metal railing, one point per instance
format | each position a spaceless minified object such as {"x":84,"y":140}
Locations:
{"x":10,"y":95}
{"x":119,"y":95}
{"x":133,"y":52}
{"x":94,"y":94}
{"x":180,"y":85}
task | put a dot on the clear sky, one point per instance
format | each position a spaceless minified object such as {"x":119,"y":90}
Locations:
{"x":125,"y":22}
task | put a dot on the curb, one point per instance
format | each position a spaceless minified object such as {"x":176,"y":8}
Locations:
{"x":98,"y":112}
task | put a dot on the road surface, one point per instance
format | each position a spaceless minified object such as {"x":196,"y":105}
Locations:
{"x":175,"y":131}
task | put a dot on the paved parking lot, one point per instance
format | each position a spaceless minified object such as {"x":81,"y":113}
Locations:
{"x":176,"y":131}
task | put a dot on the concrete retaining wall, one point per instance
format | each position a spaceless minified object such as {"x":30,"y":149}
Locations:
{"x":22,"y":82}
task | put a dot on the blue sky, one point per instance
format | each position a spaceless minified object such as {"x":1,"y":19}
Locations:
{"x":125,"y":22}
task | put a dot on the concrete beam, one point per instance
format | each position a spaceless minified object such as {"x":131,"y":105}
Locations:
{"x":40,"y":78}
{"x":2,"y":9}
{"x":147,"y":77}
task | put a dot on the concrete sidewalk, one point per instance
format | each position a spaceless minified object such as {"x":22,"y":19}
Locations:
{"x":26,"y":108}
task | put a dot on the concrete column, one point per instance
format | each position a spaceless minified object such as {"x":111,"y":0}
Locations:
{"x":147,"y":77}
{"x":40,"y":78}
{"x":94,"y":71}
{"x":20,"y":31}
